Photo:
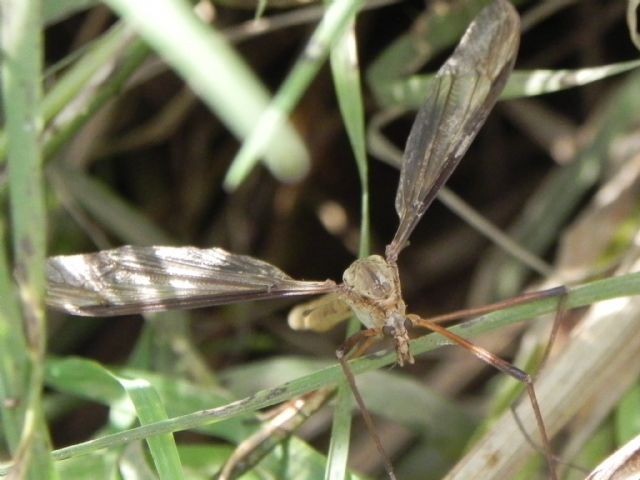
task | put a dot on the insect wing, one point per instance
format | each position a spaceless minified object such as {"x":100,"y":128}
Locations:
{"x":129,"y":280}
{"x":463,"y":93}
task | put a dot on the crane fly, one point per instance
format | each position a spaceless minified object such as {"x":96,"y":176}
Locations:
{"x":134,"y":279}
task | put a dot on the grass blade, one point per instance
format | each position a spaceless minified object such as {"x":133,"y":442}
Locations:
{"x":216,"y":73}
{"x":22,"y":93}
{"x":334,"y":22}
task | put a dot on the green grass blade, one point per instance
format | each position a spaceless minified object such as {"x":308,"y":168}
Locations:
{"x":216,"y":73}
{"x":130,"y":397}
{"x":102,"y":465}
{"x":150,"y":409}
{"x":338,"y":454}
{"x":100,"y":54}
{"x":410,"y":92}
{"x":334,"y":22}
{"x":346,"y":76}
{"x":54,"y":11}
{"x":13,"y":361}
{"x":627,"y":417}
{"x":81,"y":90}
{"x":89,"y":380}
{"x":22,"y":92}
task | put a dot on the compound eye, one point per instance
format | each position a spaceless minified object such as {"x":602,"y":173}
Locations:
{"x":388,"y":331}
{"x":408,"y":324}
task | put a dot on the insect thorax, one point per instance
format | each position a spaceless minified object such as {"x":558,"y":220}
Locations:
{"x":372,"y":290}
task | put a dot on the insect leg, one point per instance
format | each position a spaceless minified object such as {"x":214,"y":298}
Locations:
{"x":362,"y":340}
{"x":528,"y":297}
{"x":504,"y":367}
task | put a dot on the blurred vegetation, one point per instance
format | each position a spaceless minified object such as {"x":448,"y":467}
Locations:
{"x":136,"y":138}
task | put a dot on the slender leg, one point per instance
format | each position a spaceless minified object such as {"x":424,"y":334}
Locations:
{"x":512,"y":302}
{"x":560,"y":312}
{"x":502,"y":366}
{"x":285,"y":419}
{"x":562,"y":309}
{"x":363,"y":339}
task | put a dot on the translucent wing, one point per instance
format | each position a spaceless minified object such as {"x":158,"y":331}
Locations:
{"x":130,"y":280}
{"x":463,"y":93}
